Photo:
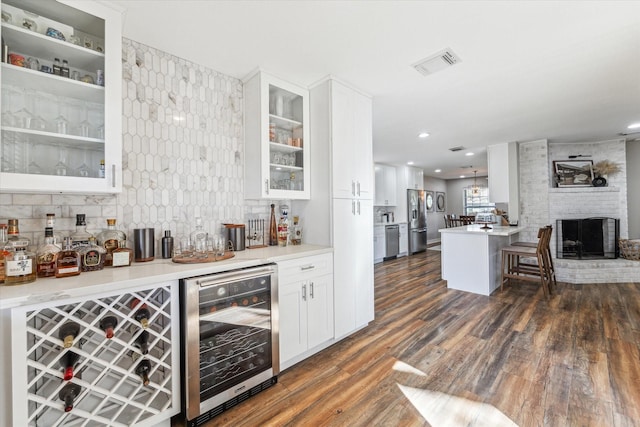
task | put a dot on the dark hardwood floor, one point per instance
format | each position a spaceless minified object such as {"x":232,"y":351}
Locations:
{"x":468,"y":360}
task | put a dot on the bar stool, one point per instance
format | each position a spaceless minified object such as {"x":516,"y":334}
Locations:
{"x":513,"y":268}
{"x":549,"y":258}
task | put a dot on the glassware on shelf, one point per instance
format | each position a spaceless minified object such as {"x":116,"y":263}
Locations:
{"x":62,"y":125}
{"x":61,"y":166}
{"x":23,"y":118}
{"x":7,"y":17}
{"x":85,"y":128}
{"x":73,"y":39}
{"x":83,"y":170}
{"x":8,"y":119}
{"x":39,"y":123}
{"x":30,"y":24}
{"x":34,"y":168}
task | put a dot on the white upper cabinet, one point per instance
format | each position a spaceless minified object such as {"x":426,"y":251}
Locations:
{"x":385,"y":189}
{"x":351,"y":133}
{"x":277,"y":140}
{"x":415,"y":178}
{"x":61,"y":123}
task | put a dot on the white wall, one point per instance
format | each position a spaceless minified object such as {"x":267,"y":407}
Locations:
{"x":455,"y":195}
{"x":633,"y":188}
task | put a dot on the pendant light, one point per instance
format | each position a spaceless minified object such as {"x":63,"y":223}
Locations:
{"x":475,"y":190}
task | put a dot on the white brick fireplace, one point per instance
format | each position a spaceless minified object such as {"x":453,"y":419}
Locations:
{"x":541,"y":203}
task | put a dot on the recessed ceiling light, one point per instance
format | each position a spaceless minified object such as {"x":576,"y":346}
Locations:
{"x":469,"y":154}
{"x":438,"y":170}
{"x":634,"y":126}
{"x":423,"y":134}
{"x":409,"y":163}
{"x":461,"y":176}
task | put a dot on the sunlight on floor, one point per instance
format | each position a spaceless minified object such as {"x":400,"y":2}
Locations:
{"x":444,"y":410}
{"x":435,"y":248}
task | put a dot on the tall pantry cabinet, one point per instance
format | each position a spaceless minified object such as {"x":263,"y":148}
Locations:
{"x":342,"y":197}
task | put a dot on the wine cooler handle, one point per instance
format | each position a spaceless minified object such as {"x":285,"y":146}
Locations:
{"x":311,"y":290}
{"x":304,"y":292}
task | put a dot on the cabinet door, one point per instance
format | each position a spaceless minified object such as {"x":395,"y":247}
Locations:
{"x":344,"y":148}
{"x":277,"y":139}
{"x":353,"y":264}
{"x":320,"y":310}
{"x":293,"y":320}
{"x":363,"y":146}
{"x":60,"y":134}
{"x":362,"y":258}
{"x":379,"y":243}
{"x":380,"y":187}
{"x":404,"y":242}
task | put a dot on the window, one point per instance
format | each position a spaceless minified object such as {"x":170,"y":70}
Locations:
{"x":476,"y":203}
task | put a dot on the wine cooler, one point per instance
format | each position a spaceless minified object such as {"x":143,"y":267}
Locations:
{"x":104,"y":361}
{"x":231,"y":349}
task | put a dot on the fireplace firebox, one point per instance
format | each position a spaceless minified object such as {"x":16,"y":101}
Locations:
{"x":588,"y":238}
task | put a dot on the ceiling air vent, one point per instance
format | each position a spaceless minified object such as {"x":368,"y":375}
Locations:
{"x":458,"y":148}
{"x":436,"y":62}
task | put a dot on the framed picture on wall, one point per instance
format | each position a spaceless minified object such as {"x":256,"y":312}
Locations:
{"x":440,"y":202}
{"x":573,"y":173}
{"x":428,"y":197}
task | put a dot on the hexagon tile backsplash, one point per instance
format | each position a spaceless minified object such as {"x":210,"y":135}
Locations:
{"x":183,"y":152}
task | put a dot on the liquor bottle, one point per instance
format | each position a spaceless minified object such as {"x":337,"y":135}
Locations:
{"x":46,"y":255}
{"x":51,"y":221}
{"x":68,"y":362}
{"x":19,"y":267}
{"x":80,"y":237}
{"x":68,"y":260}
{"x":108,"y":324}
{"x":69,"y":393}
{"x":64,"y":70}
{"x":57,"y":68}
{"x":142,"y":314}
{"x":296,"y":232}
{"x":68,"y":332}
{"x":283,"y":232}
{"x":110,"y":240}
{"x":143,"y":370}
{"x":92,"y":256}
{"x":123,"y":256}
{"x":273,"y":228}
{"x":142,"y":342}
{"x":14,"y":238}
{"x":3,"y":251}
{"x":167,"y":245}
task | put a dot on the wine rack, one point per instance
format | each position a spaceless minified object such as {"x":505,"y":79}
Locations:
{"x":111,"y":392}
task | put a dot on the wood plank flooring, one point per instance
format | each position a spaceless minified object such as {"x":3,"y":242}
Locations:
{"x":514,"y":358}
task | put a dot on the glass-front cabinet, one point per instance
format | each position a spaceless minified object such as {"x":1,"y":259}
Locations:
{"x":61,"y":97}
{"x":276,"y":139}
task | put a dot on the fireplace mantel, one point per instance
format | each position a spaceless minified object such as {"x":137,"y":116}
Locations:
{"x":565,"y":190}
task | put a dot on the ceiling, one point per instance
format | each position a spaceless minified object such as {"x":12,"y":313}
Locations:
{"x":567,"y":71}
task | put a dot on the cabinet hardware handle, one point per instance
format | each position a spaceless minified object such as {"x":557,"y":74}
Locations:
{"x":266,"y":186}
{"x":353,"y":207}
{"x":311,"y":292}
{"x":353,"y":188}
{"x":304,"y":292}
{"x":358,"y":188}
{"x":358,"y":207}
{"x":113,"y":175}
{"x":308,"y":267}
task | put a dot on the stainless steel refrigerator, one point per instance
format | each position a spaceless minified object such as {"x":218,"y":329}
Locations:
{"x":417,"y":220}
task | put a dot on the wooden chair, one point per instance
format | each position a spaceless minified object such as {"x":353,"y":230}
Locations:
{"x":467,"y":219}
{"x":514,"y":268}
{"x":548,"y":255}
{"x":447,"y":221}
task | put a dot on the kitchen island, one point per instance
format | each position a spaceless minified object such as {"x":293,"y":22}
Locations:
{"x":471,"y":256}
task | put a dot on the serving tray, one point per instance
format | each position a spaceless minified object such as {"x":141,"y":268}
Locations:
{"x":211,"y":257}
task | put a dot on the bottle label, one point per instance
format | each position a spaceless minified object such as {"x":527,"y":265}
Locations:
{"x":92,"y":258}
{"x":18,"y":268}
{"x":79,"y":243}
{"x":68,"y":270}
{"x":120,"y":259}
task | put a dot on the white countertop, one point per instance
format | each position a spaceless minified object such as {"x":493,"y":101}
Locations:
{"x":143,"y":273}
{"x":496,"y":230}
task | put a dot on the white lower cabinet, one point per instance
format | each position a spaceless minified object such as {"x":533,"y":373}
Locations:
{"x":379,"y":243}
{"x":305,"y":306}
{"x":404,"y":240}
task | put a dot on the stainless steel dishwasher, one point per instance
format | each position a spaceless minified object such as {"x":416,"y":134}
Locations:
{"x":392,"y":239}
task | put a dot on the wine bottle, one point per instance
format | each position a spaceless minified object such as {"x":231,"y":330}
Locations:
{"x":142,"y":314}
{"x":68,"y":332}
{"x":68,"y":394}
{"x":108,"y":324}
{"x":68,"y":362}
{"x":142,"y":342}
{"x":273,"y":228}
{"x":143,"y":370}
